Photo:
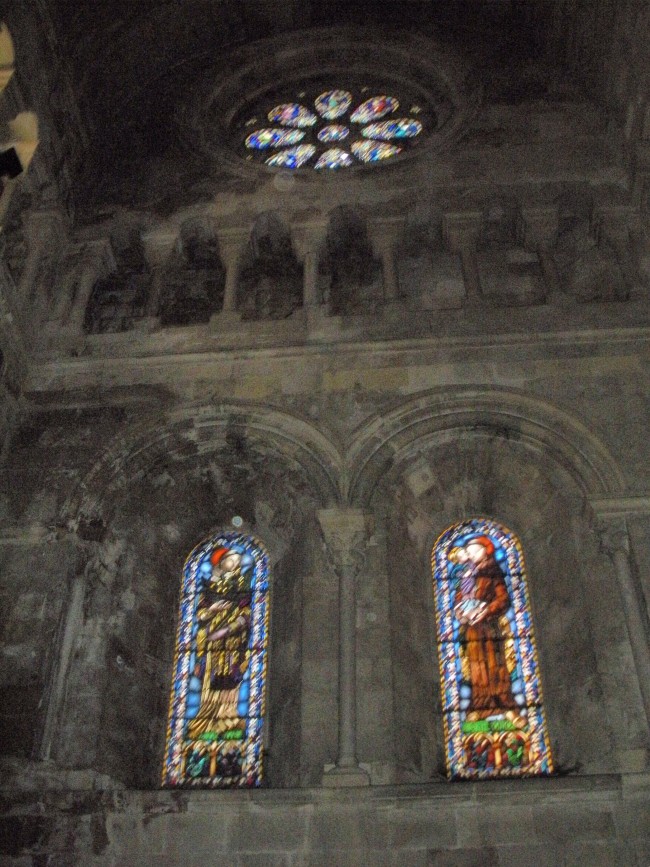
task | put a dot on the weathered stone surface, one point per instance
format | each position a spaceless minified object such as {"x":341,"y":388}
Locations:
{"x":187,"y":335}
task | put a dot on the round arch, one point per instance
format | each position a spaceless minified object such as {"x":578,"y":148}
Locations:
{"x":396,"y":434}
{"x":198,"y":429}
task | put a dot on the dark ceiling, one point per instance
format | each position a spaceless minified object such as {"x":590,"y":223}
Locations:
{"x":134,"y":62}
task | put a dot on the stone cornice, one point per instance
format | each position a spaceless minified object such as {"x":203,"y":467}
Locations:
{"x":45,"y":369}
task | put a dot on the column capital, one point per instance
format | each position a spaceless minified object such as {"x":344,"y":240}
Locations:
{"x":345,"y":532}
{"x":384,"y":234}
{"x":614,"y":222}
{"x":96,"y":254}
{"x":232,"y":243}
{"x":158,"y":246}
{"x":461,"y":229}
{"x":308,"y":238}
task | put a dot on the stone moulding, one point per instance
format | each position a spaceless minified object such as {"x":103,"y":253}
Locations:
{"x":351,"y":473}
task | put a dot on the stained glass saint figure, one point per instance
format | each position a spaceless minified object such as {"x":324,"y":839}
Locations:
{"x":492,"y":698}
{"x":217,"y":702}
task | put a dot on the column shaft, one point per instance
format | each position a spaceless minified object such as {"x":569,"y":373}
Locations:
{"x":347,"y":757}
{"x":310,"y":280}
{"x":232,"y":282}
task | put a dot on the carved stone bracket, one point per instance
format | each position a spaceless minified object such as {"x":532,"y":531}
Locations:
{"x":384,"y":235}
{"x":345,"y":532}
{"x":461,"y":232}
{"x":95,"y":260}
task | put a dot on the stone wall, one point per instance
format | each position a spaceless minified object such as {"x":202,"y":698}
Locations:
{"x":604,"y":820}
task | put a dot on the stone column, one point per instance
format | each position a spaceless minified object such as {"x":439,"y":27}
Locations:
{"x":95,"y":261}
{"x":384,"y":236}
{"x":158,"y":248}
{"x":308,"y":241}
{"x":615,"y":543}
{"x":231,"y":247}
{"x":539,"y":229}
{"x":461,"y":232}
{"x":345,"y":533}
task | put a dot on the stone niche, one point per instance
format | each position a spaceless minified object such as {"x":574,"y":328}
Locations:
{"x":586,"y":662}
{"x":114,"y":717}
{"x":194,"y":277}
{"x":270,"y":285}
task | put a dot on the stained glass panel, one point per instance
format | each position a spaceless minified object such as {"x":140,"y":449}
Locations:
{"x":333,"y":104}
{"x":327,"y":124}
{"x":390,"y":129}
{"x":292,"y":114}
{"x":333,"y":132}
{"x":216,"y":712}
{"x":490,"y":682}
{"x":334,"y":158}
{"x":372,"y":151}
{"x":292,"y":158}
{"x":374,"y":109}
{"x":273,"y":138}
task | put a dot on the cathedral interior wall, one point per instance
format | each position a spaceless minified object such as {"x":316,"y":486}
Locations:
{"x":191,"y":344}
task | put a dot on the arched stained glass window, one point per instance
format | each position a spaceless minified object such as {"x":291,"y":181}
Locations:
{"x":491,"y":690}
{"x":216,"y":712}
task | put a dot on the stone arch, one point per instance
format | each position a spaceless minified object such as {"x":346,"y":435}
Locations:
{"x":441,"y":458}
{"x":271,"y":281}
{"x":355,"y":275}
{"x":193,"y":429}
{"x":7,"y":56}
{"x":194,"y":278}
{"x":152,"y":497}
{"x":399,"y":432}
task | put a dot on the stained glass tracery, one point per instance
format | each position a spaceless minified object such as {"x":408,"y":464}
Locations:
{"x":490,"y":681}
{"x":217,"y":703}
{"x":314,"y":128}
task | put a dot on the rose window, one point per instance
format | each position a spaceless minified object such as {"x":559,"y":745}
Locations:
{"x":334,"y":133}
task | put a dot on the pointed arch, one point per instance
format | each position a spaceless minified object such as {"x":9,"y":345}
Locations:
{"x":218,"y":695}
{"x":491,"y":688}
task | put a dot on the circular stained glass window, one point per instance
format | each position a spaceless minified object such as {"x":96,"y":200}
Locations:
{"x":334,"y":130}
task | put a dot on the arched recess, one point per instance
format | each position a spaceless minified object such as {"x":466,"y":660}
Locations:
{"x":175,"y":478}
{"x":271,"y":281}
{"x":194,"y":277}
{"x":377,"y":444}
{"x":442,"y":458}
{"x":355,"y":283}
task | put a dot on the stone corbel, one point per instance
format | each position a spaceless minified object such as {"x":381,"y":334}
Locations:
{"x":345,"y":532}
{"x":45,"y":232}
{"x":613,"y":226}
{"x":95,"y":260}
{"x":461,"y":231}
